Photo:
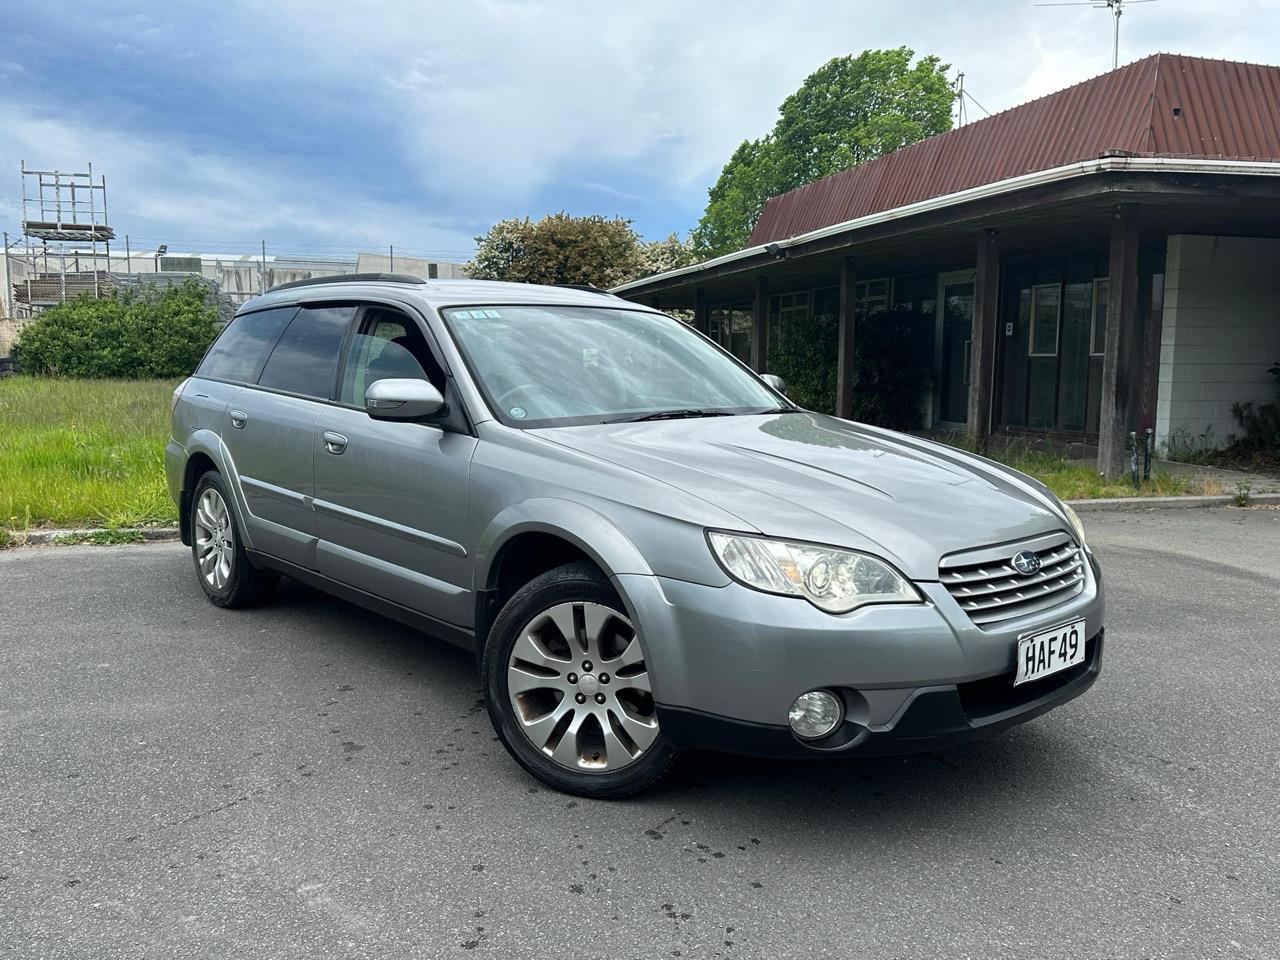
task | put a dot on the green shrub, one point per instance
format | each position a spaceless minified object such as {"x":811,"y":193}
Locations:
{"x":892,"y":368}
{"x":1261,"y":421}
{"x":150,"y":334}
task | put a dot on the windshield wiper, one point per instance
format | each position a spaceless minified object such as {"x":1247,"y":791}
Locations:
{"x":678,"y":415}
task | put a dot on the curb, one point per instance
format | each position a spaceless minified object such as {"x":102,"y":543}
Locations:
{"x":1137,"y":504}
{"x":33,"y":538}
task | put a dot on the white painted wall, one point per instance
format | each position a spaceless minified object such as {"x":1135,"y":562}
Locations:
{"x":414,"y":266}
{"x":1221,"y":331}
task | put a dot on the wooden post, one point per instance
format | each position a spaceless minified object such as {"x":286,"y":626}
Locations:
{"x":701,"y":312}
{"x":1117,"y":352}
{"x":760,"y":326}
{"x":847,"y":335}
{"x":982,"y":346}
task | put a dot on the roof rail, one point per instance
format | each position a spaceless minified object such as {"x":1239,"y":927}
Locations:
{"x":588,"y":288}
{"x":349,"y":278}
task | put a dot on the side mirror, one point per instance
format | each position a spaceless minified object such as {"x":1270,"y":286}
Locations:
{"x":775,"y":381}
{"x":402,"y":400}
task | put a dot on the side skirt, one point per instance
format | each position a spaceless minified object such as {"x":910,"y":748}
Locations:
{"x":458,"y":636}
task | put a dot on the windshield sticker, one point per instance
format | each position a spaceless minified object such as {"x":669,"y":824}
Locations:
{"x":518,"y":412}
{"x":492,"y":313}
{"x":590,"y":357}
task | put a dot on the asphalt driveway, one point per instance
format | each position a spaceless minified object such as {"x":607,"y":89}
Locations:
{"x":309,"y":780}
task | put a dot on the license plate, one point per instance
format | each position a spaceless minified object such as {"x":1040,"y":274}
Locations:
{"x":1042,"y":654}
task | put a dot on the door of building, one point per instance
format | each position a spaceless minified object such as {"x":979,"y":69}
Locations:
{"x":955,"y":333}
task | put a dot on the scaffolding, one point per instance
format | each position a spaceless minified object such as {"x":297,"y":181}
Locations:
{"x":61,"y":212}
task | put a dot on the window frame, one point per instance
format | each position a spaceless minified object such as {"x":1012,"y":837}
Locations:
{"x":1093,"y":319}
{"x":863,"y":300}
{"x":459,"y":420}
{"x":1057,"y":320}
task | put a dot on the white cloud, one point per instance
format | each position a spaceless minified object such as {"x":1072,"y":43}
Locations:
{"x":509,"y":107}
{"x":213,"y":197}
{"x":503,"y":97}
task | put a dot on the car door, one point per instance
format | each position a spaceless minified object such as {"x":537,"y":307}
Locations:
{"x":268,"y":429}
{"x":391,"y":498}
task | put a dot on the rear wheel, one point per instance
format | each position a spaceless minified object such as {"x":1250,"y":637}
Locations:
{"x":568,"y":689}
{"x":226,"y":575}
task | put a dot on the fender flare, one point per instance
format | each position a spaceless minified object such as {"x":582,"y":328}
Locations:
{"x":207,"y":442}
{"x":587,"y":529}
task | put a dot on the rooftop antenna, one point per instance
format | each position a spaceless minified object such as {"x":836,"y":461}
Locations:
{"x":1115,"y":6}
{"x":963,"y":95}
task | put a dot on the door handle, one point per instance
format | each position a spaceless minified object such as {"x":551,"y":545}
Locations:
{"x":239,"y":418}
{"x":335,"y":443}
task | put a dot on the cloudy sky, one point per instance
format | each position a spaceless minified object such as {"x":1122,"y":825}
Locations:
{"x":327,"y":128}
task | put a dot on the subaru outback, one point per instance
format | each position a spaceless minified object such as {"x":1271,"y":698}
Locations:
{"x":647,"y":546}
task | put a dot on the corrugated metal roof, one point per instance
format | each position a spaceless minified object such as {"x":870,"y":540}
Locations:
{"x":1165,"y":105}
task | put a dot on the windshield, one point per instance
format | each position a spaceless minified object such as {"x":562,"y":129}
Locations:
{"x":554,"y":366}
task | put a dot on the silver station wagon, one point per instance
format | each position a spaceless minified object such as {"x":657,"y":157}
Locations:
{"x":648,"y":547}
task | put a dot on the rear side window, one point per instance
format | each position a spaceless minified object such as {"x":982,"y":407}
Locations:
{"x":306,"y":358}
{"x":240,"y":350}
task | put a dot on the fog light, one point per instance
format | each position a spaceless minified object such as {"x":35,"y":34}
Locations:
{"x":815,"y":714}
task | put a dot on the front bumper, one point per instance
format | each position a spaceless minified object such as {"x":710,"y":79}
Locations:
{"x":932,"y":717}
{"x":727,"y":662}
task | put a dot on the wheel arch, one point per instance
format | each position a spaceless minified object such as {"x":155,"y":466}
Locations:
{"x":529,"y":538}
{"x":206,"y":451}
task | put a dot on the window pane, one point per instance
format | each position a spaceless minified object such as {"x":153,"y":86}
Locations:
{"x":306,"y":357}
{"x":1101,"y":289}
{"x":238,"y":353}
{"x":383,"y":353}
{"x":1044,"y":320}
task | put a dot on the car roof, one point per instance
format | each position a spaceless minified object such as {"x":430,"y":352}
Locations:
{"x":438,"y":293}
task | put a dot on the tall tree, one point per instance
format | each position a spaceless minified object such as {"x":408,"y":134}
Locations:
{"x":850,"y":110}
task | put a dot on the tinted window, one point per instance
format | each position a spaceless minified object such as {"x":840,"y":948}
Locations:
{"x":238,"y":353}
{"x":305,"y":359}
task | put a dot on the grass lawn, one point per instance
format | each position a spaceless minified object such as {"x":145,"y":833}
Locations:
{"x":83,"y":452}
{"x":90,"y":453}
{"x":1075,"y":481}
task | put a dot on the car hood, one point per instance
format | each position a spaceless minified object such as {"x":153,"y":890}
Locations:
{"x":811,"y":477}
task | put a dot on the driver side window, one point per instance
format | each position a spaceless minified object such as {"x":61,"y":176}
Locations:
{"x":387,"y":345}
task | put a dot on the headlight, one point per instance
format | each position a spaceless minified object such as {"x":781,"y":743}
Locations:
{"x":830,"y":578}
{"x":1074,"y":519}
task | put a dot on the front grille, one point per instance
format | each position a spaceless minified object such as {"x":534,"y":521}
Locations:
{"x":990,"y":590}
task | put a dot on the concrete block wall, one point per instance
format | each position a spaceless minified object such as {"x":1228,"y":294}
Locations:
{"x":9,"y":334}
{"x":1220,"y":333}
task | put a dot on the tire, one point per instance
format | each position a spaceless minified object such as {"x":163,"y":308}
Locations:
{"x":227,"y":576}
{"x":567,"y":687}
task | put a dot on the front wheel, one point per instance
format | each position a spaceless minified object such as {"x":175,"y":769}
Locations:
{"x":568,"y":689}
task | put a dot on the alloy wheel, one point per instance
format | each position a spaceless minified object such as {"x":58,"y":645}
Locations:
{"x":215,"y":539}
{"x":579,"y":686}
